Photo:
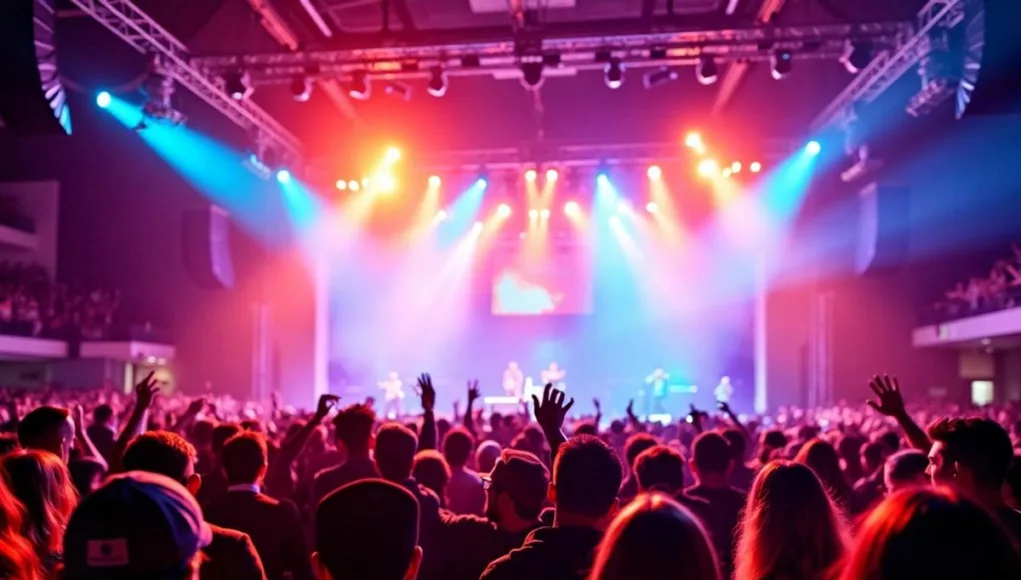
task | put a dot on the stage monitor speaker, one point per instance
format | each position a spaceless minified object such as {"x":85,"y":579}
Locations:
{"x":991,"y":74}
{"x":882,"y":227}
{"x":207,"y":253}
{"x":32,"y":99}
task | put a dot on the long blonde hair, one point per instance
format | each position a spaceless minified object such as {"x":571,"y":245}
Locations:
{"x":791,"y":529}
{"x":42,"y":483}
{"x":654,"y":537}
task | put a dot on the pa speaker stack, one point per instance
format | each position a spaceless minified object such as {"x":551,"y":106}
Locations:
{"x":32,"y":100}
{"x":991,"y":75}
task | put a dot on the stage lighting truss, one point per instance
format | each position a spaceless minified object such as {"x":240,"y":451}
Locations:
{"x":139,"y":30}
{"x":584,"y":46}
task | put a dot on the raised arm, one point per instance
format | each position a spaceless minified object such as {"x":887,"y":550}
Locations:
{"x":290,"y":449}
{"x":469,"y":416}
{"x":82,"y":440}
{"x":427,"y":438}
{"x":145,"y":392}
{"x":890,"y":402}
{"x":550,"y":413}
{"x":733,"y":419}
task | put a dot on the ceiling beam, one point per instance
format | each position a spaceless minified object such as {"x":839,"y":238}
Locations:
{"x":282,"y":33}
{"x":736,"y":72}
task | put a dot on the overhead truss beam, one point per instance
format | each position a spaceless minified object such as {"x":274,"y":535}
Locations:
{"x":410,"y":55}
{"x":889,"y":65}
{"x":136,"y":28}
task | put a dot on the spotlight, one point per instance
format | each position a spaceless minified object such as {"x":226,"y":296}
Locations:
{"x":780,"y":62}
{"x":437,"y":86}
{"x":341,"y":185}
{"x":441,"y":215}
{"x":726,"y":172}
{"x":477,"y":227}
{"x":654,"y":172}
{"x":359,"y":87}
{"x":708,"y":168}
{"x":614,"y":73}
{"x":658,"y":77}
{"x":571,"y":208}
{"x":623,"y":207}
{"x":813,"y":148}
{"x":354,"y":185}
{"x":398,"y":89}
{"x":103,"y":100}
{"x":434,"y":181}
{"x":301,"y":88}
{"x":735,"y":167}
{"x":552,"y":175}
{"x":503,"y":211}
{"x":693,"y":141}
{"x":393,"y":155}
{"x":531,"y":74}
{"x":544,"y":213}
{"x":857,"y":56}
{"x":651,"y":207}
{"x":533,"y":214}
{"x":706,"y":70}
{"x":530,"y":175}
{"x":366,"y":182}
{"x":238,"y":85}
{"x":283,"y":176}
{"x":614,"y":221}
{"x":755,"y":167}
{"x":385,"y":184}
{"x":481,"y":183}
{"x":602,"y":178}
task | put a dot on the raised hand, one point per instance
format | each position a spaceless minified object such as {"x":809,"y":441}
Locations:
{"x":473,"y":391}
{"x":550,"y":412}
{"x":724,"y":407}
{"x":426,"y":392}
{"x":887,"y":390}
{"x":631,"y":409}
{"x":146,"y":391}
{"x":196,"y":406}
{"x":599,"y":409}
{"x":326,"y":404}
{"x":79,"y":417}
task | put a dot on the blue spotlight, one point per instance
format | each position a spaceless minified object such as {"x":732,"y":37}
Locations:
{"x":813,"y":148}
{"x":103,"y":100}
{"x":481,"y":183}
{"x":603,"y":179}
{"x":284,"y":176}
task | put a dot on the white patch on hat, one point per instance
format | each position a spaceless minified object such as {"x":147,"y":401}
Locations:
{"x":107,"y":553}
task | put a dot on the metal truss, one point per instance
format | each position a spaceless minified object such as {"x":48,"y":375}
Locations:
{"x":410,"y":55}
{"x":140,"y":31}
{"x":889,"y":65}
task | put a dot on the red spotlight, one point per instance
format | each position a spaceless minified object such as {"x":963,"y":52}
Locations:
{"x":755,"y":167}
{"x":654,"y":172}
{"x":735,"y":167}
{"x":530,"y":175}
{"x":354,"y":185}
{"x":341,"y":184}
{"x":551,"y":175}
{"x":434,"y":181}
{"x":708,"y":168}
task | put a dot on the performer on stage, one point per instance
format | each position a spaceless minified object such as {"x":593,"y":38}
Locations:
{"x":554,"y":375}
{"x":724,"y":391}
{"x":513,"y":381}
{"x":656,"y":392}
{"x":393,"y":395}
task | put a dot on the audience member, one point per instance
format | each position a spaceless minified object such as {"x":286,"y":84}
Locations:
{"x":464,"y":490}
{"x":136,"y":526}
{"x":931,"y":533}
{"x":48,"y":428}
{"x":367,"y":530}
{"x":905,"y":469}
{"x":661,"y":469}
{"x":824,"y":461}
{"x":711,"y":462}
{"x":353,"y":427}
{"x":275,"y":526}
{"x":18,"y":560}
{"x":515,"y":491}
{"x":86,"y":475}
{"x":230,"y":554}
{"x":632,"y":448}
{"x":431,"y":470}
{"x":740,"y":475}
{"x":655,"y":538}
{"x":586,"y":478}
{"x":486,"y":456}
{"x":42,"y":485}
{"x":103,"y":430}
{"x":214,"y":482}
{"x":791,"y":527}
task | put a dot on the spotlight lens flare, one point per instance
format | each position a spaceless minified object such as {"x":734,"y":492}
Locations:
{"x":708,"y":168}
{"x":735,"y":167}
{"x":434,"y":181}
{"x":284,"y":176}
{"x":341,"y":185}
{"x":654,"y":172}
{"x":530,"y":175}
{"x":504,"y":210}
{"x":103,"y":100}
{"x":571,"y":208}
{"x":533,"y":214}
{"x":755,"y":167}
{"x":552,"y":175}
{"x":693,"y":140}
{"x":441,"y":215}
{"x":651,"y":207}
{"x":813,"y":148}
{"x":354,"y":185}
{"x":603,"y":179}
{"x":481,"y":183}
{"x":393,"y":155}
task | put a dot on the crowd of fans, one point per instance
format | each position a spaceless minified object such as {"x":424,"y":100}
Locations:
{"x":31,"y":304}
{"x":153,"y":487}
{"x":1000,"y":289}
